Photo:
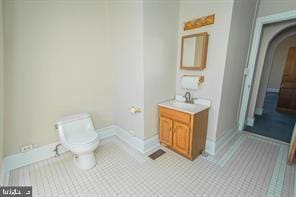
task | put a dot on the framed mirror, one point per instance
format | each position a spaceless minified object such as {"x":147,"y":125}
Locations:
{"x":194,"y":51}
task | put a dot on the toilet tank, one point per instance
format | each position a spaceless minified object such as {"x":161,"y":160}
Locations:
{"x":74,"y":123}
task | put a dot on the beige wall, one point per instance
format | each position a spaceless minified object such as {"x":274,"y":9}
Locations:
{"x":243,"y":17}
{"x":160,"y":50}
{"x":145,"y":51}
{"x":79,"y":56}
{"x":126,"y":42}
{"x":56,"y":63}
{"x":64,"y":57}
{"x":1,"y":82}
{"x":217,"y":47}
{"x":268,"y":7}
{"x":279,"y":62}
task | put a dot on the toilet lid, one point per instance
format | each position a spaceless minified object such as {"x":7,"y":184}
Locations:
{"x":84,"y":137}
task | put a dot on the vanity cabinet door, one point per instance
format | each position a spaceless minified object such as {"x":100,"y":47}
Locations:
{"x":181,"y":137}
{"x":166,"y":134}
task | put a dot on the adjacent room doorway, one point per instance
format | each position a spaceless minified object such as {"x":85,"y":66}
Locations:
{"x":275,"y":117}
{"x":279,"y":113}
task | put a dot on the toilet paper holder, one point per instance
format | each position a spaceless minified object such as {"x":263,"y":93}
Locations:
{"x":134,"y":109}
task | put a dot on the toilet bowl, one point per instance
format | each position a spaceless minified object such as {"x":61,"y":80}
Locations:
{"x":77,"y":134}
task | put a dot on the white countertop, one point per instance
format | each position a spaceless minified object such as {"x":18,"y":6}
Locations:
{"x":196,"y":108}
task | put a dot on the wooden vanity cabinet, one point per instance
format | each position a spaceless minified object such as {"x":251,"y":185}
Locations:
{"x":183,"y":132}
{"x":166,"y":134}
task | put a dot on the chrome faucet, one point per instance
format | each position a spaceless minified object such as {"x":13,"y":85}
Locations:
{"x":188,"y":97}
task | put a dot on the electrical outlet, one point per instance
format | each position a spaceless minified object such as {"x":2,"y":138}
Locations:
{"x":26,"y":148}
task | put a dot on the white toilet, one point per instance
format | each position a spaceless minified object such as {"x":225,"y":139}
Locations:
{"x":77,"y":133}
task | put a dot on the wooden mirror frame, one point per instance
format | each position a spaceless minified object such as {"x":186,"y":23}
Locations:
{"x":204,"y":51}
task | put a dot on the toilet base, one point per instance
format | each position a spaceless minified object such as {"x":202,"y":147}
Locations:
{"x":85,"y":162}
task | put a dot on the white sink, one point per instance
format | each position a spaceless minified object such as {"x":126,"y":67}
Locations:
{"x":183,"y":105}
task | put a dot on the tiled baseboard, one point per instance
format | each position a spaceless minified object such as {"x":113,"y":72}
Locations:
{"x":143,"y":146}
{"x":210,"y":147}
{"x":250,"y":121}
{"x":4,"y":175}
{"x":22,"y":159}
{"x":213,"y":146}
{"x":44,"y":152}
{"x":259,"y":111}
{"x":276,"y":90}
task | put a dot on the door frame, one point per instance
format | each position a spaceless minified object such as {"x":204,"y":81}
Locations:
{"x":260,"y":21}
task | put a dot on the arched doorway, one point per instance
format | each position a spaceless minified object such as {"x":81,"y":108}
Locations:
{"x":260,"y":22}
{"x":272,"y":104}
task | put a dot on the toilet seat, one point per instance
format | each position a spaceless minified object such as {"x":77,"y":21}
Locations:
{"x":82,"y":138}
